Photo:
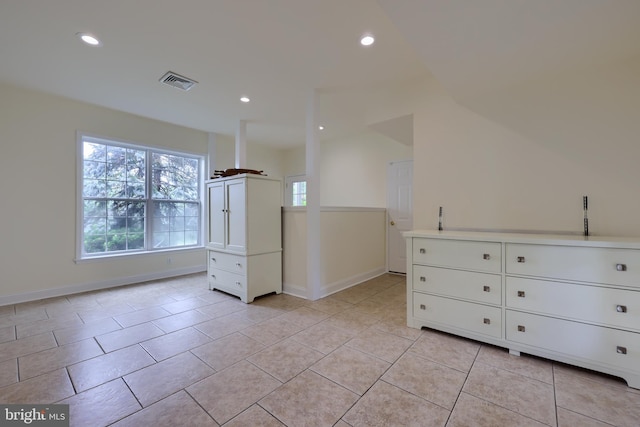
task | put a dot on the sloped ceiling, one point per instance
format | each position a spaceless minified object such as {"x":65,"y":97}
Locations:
{"x":476,"y":47}
{"x":279,"y":51}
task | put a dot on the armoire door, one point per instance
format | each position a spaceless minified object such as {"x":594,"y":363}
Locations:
{"x":236,"y":239}
{"x":217,"y":215}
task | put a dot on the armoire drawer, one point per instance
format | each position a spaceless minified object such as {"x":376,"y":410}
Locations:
{"x":606,"y":306}
{"x":480,"y":287}
{"x":477,"y":318}
{"x":613,"y":347}
{"x":228,"y":262}
{"x":227,"y":281}
{"x":575,"y":263}
{"x":470,"y":255}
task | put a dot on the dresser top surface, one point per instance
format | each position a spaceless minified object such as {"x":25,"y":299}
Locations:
{"x":532,"y":238}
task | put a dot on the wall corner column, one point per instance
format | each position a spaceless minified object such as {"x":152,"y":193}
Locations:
{"x":315,"y":274}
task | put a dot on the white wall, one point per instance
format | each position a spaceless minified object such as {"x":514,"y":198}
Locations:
{"x":259,"y":157}
{"x":352,"y":248}
{"x":38,"y":187}
{"x":523,"y":158}
{"x":353,"y":169}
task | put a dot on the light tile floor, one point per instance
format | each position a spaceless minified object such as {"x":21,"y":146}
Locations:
{"x":172,"y":353}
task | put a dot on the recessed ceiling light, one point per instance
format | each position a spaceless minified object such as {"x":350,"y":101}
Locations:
{"x":320,"y":127}
{"x":367,"y":40}
{"x":245,"y":99}
{"x":89,"y":39}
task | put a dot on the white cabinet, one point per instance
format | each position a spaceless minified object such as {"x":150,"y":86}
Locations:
{"x":244,"y":237}
{"x":566,"y":298}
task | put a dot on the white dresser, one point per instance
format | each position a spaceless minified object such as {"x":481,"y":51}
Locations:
{"x":566,"y":298}
{"x":244,"y":235}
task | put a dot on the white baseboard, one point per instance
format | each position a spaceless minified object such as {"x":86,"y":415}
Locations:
{"x":332,"y":288}
{"x":343,"y":284}
{"x":94,"y":286}
{"x":295,"y":290}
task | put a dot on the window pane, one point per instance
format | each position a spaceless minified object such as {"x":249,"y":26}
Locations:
{"x":94,"y":188}
{"x":116,"y":189}
{"x":161,"y":240}
{"x":94,"y":243}
{"x":170,"y":217}
{"x":190,"y":238}
{"x":94,"y":151}
{"x":94,"y":170}
{"x":176,"y":238}
{"x":96,"y":226}
{"x":95,"y":208}
{"x":174,"y":177}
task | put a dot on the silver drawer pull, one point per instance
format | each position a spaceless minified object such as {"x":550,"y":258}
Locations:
{"x":621,"y":308}
{"x":423,"y":279}
{"x":423,"y":307}
{"x":487,"y":321}
{"x":521,"y":328}
{"x":486,"y":256}
{"x":214,"y":276}
{"x":238,"y":283}
{"x":521,"y":294}
{"x":621,"y":267}
{"x":521,"y":259}
{"x":486,"y":288}
{"x":621,"y":350}
{"x":213,"y":259}
{"x":238,"y":264}
{"x":423,"y":251}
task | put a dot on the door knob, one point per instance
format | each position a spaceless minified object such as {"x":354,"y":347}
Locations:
{"x":392,"y":223}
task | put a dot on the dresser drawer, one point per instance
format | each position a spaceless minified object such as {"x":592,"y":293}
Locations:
{"x":613,"y":347}
{"x":471,"y":255}
{"x":585,"y":264}
{"x":477,"y":318}
{"x":228,"y":262}
{"x":612,"y":307}
{"x":480,"y":287}
{"x":227,"y":281}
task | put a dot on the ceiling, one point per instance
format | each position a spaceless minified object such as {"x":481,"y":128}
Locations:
{"x":279,"y":52}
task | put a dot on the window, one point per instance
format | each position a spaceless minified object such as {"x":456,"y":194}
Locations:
{"x":296,"y":190}
{"x":136,"y":199}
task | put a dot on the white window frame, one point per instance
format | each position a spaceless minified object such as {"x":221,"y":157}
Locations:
{"x":289,"y":181}
{"x":80,"y":255}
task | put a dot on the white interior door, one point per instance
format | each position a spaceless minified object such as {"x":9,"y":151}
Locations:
{"x":399,"y":213}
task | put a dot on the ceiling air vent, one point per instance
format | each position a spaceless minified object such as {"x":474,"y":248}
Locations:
{"x":176,"y":80}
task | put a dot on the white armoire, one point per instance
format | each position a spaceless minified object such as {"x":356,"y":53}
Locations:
{"x":244,"y":235}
